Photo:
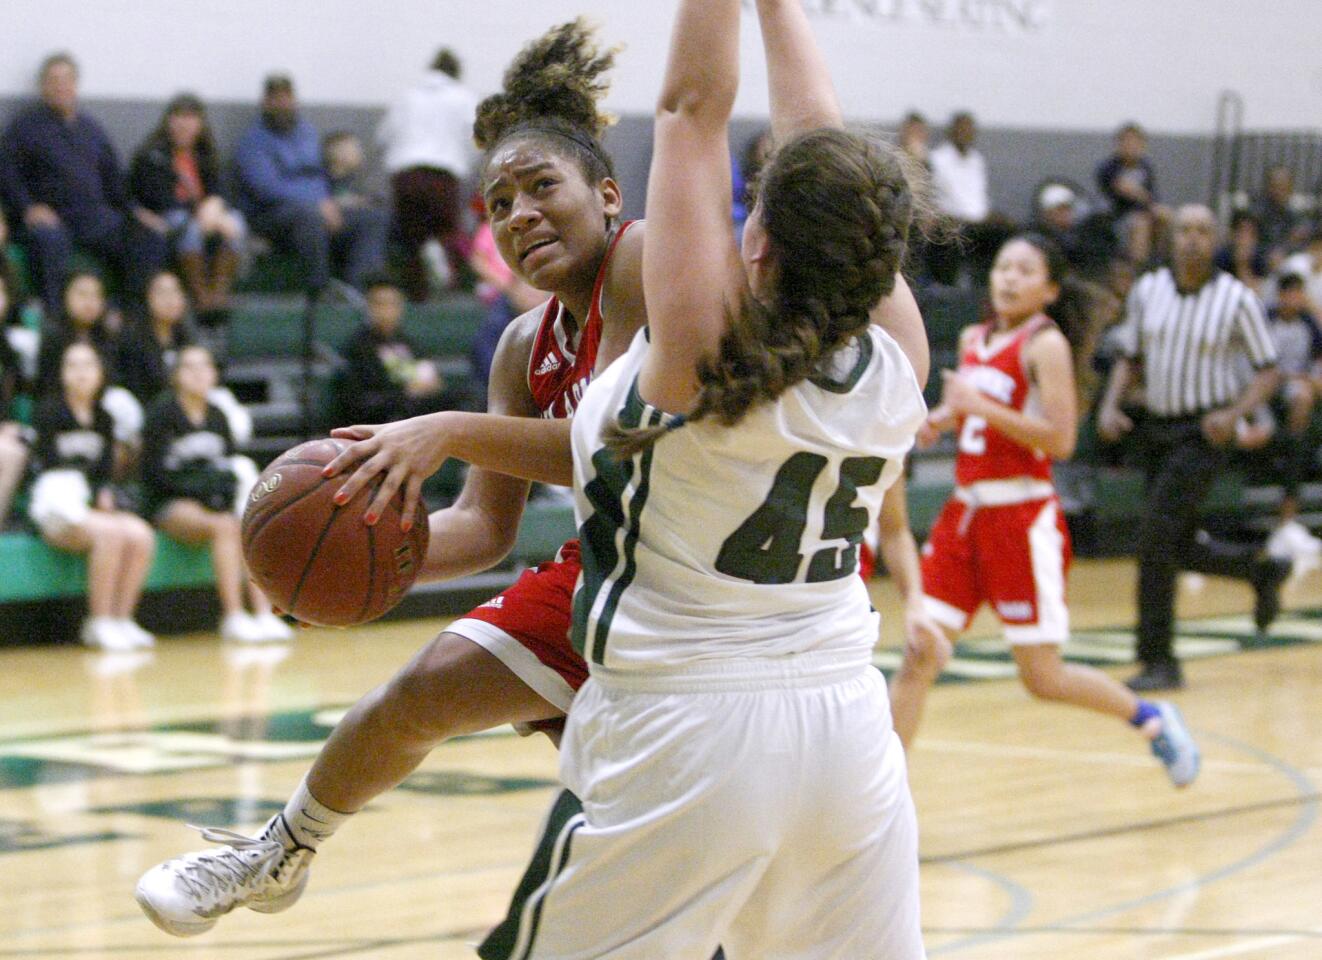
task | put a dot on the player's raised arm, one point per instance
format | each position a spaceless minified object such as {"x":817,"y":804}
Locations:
{"x":690,"y":268}
{"x":802,"y":95}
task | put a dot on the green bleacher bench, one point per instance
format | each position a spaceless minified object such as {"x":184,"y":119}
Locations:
{"x":31,"y":570}
{"x":275,"y":330}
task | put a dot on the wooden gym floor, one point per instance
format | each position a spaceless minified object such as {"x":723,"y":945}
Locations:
{"x":1046,"y":832}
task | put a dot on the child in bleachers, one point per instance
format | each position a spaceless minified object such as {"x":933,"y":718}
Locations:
{"x":191,"y":490}
{"x":386,"y":378}
{"x":73,"y":501}
{"x":86,"y":319}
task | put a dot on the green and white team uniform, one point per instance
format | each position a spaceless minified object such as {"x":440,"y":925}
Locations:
{"x":733,"y":747}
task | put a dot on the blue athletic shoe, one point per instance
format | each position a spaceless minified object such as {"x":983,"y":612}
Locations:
{"x":1175,"y":746}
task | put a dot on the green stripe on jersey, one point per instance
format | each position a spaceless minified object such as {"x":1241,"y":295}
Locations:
{"x":518,"y":931}
{"x":609,"y":536}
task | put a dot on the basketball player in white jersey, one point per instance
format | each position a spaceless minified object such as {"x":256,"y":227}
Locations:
{"x":740,"y":782}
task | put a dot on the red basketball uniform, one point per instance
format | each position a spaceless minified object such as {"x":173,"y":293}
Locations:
{"x":1001,"y":538}
{"x":527,"y":626}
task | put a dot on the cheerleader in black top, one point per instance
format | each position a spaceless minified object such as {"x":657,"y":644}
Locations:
{"x":13,"y":451}
{"x":73,"y":504}
{"x":190,"y":490}
{"x":87,"y":320}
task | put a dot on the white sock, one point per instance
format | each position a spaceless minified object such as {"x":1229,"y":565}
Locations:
{"x":305,"y":821}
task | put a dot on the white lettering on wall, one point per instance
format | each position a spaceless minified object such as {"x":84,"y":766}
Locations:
{"x":1004,"y":15}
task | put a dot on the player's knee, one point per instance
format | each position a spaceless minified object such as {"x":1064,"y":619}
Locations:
{"x":1043,"y":683}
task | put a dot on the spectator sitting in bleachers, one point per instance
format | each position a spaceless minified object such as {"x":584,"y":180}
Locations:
{"x":427,"y":135}
{"x":1283,"y":227}
{"x":149,"y":348}
{"x":1299,"y":349}
{"x":73,"y":502}
{"x":13,"y":450}
{"x":385,"y":378}
{"x":149,"y":344}
{"x":1242,"y":254}
{"x":1083,"y":235}
{"x":87,"y":319}
{"x":1128,"y":180}
{"x":176,"y":175}
{"x":345,"y":161}
{"x":192,"y":492}
{"x":60,"y":175}
{"x":288,"y":198}
{"x":1307,"y":263}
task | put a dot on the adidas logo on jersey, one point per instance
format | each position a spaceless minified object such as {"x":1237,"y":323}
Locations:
{"x":495,"y":603}
{"x":550,"y":363}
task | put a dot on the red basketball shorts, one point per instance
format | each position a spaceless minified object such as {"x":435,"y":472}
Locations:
{"x":1014,"y":557}
{"x":527,"y":628}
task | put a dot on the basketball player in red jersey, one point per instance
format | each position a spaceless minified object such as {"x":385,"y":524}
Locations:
{"x":1001,"y":538}
{"x":554,"y":205}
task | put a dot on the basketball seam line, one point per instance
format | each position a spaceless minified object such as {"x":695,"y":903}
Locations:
{"x":260,"y":525}
{"x":312,"y":559}
{"x":371,"y":573}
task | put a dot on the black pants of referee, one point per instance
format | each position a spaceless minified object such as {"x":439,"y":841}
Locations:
{"x":1181,"y":466}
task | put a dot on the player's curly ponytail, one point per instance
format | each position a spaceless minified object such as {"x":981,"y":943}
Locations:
{"x":836,"y":208}
{"x":551,"y":91}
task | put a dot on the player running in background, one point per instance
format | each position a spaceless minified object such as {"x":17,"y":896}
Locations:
{"x":1001,"y":538}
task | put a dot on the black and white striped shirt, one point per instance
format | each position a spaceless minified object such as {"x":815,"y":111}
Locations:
{"x":1198,"y":350}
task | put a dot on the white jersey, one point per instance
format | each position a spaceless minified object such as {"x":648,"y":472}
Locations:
{"x":721,"y":543}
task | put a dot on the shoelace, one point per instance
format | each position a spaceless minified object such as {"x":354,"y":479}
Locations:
{"x":214,"y":873}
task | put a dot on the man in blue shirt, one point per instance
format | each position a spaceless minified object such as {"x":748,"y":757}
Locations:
{"x":62,"y":179}
{"x":287,"y":196}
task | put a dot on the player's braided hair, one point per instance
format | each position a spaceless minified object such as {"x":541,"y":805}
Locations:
{"x":836,"y":207}
{"x":551,"y":92}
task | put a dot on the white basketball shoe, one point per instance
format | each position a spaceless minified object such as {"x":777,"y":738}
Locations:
{"x":185,"y":896}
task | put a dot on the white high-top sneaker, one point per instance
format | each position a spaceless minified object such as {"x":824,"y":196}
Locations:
{"x":186,"y":895}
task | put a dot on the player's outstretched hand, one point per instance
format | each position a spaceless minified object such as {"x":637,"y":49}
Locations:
{"x":403,"y":454}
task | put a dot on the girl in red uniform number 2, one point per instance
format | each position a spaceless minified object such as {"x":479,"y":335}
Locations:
{"x":1001,"y":537}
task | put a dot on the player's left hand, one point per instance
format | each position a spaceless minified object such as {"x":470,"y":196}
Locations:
{"x":406,"y":452}
{"x":958,"y":394}
{"x":924,"y":640}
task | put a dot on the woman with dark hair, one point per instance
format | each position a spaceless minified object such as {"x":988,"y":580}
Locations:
{"x":554,"y":206}
{"x":73,"y":501}
{"x":176,"y":175}
{"x":191,"y":487}
{"x":87,"y":319}
{"x":1001,"y":537}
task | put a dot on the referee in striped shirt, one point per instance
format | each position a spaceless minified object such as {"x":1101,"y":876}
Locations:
{"x":1188,"y":332}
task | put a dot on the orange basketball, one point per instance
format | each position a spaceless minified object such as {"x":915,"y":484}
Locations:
{"x":320,"y":562}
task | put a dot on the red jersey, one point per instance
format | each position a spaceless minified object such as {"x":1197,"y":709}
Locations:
{"x":999,"y":372}
{"x":560,"y":366}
